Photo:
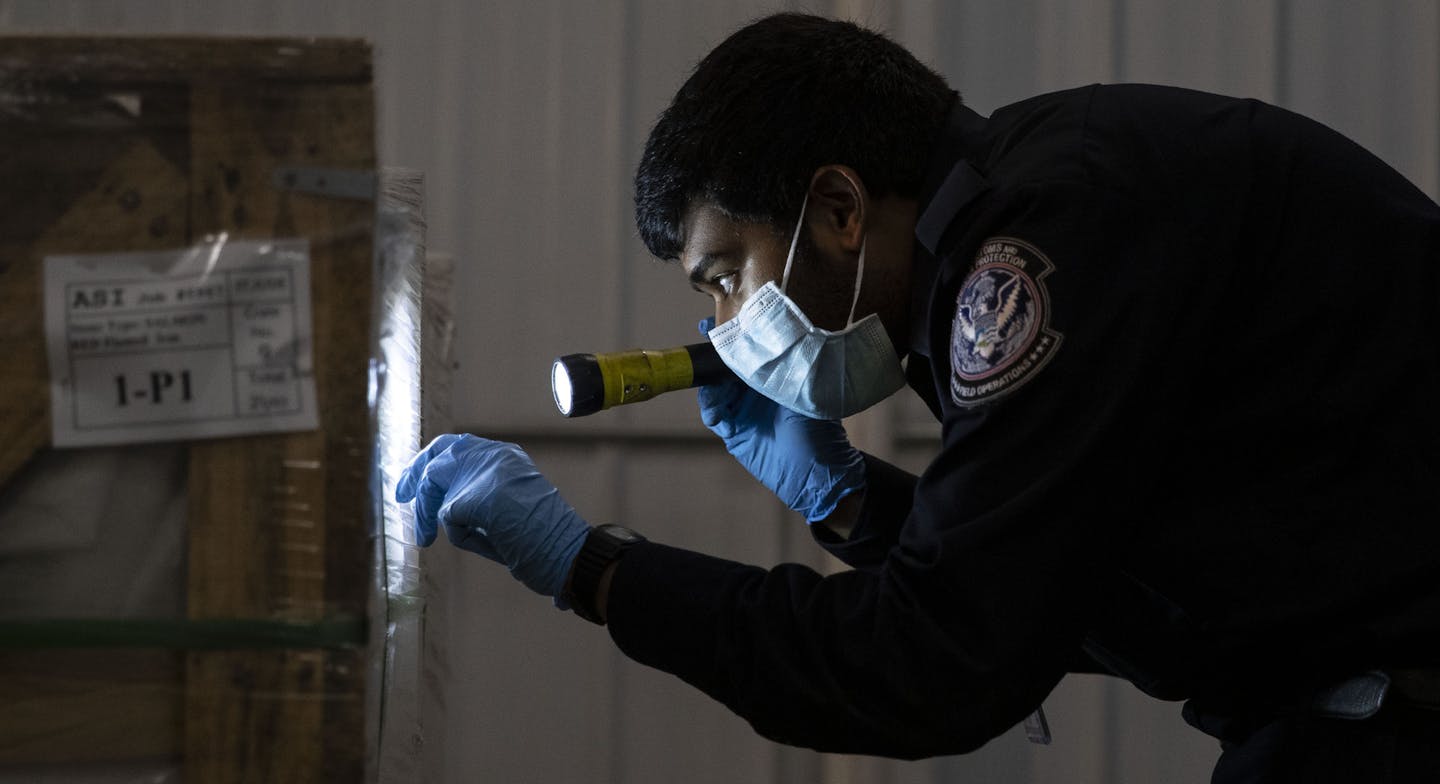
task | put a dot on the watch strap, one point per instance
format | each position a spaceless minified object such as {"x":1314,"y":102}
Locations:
{"x":604,"y":545}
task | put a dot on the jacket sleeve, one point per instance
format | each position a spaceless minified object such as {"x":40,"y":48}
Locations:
{"x":889,"y":492}
{"x":963,"y":624}
{"x":951,"y":641}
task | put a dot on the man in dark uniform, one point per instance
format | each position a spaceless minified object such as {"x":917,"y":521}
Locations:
{"x":1181,"y":349}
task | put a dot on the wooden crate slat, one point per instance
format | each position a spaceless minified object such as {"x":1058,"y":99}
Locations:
{"x":279,"y":523}
{"x":89,"y":706}
{"x":139,"y":60}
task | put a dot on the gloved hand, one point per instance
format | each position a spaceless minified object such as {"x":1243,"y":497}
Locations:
{"x":494,"y":502}
{"x":808,"y":463}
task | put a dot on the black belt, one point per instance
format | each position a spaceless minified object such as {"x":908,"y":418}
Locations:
{"x":1362,"y":696}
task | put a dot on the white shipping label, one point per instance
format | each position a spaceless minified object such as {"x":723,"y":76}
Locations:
{"x":213,"y":340}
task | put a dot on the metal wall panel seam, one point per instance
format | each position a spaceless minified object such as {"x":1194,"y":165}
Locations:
{"x":628,"y":138}
{"x":1282,"y":52}
{"x":631,"y":138}
{"x":1118,"y":41}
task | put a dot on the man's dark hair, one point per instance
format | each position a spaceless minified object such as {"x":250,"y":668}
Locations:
{"x":778,"y":99}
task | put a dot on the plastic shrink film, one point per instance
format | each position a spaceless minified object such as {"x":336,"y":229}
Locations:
{"x":212,"y":337}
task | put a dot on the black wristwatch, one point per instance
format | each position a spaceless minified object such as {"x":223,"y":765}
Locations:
{"x":605,"y":545}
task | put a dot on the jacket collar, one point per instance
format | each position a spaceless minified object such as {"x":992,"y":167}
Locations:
{"x":953,"y":183}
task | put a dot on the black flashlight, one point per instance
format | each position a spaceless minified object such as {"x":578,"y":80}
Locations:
{"x":586,"y":383}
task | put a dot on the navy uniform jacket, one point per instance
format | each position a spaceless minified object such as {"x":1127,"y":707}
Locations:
{"x":1183,"y":348}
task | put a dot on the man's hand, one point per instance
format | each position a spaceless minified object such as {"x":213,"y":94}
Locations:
{"x":493,"y":501}
{"x":808,"y":463}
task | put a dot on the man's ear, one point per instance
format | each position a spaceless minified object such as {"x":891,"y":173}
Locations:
{"x":836,"y":213}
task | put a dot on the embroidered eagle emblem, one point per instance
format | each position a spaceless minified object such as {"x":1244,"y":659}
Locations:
{"x":1000,"y":335}
{"x":992,"y":320}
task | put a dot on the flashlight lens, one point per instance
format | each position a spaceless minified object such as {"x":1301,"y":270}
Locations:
{"x":578,"y":385}
{"x":561,"y":387}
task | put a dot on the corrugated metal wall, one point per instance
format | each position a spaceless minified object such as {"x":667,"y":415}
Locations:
{"x":527,"y":118}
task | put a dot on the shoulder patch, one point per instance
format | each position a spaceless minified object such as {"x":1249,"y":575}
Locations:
{"x":1001,"y":334}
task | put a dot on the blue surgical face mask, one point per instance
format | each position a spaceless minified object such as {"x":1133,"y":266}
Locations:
{"x":817,"y":372}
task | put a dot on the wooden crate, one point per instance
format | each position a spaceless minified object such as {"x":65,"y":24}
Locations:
{"x":127,"y":144}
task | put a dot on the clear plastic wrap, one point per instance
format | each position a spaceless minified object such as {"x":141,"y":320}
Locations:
{"x":245,"y":608}
{"x":397,"y":616}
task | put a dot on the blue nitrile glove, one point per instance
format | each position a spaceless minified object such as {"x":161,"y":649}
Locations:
{"x":493,"y":501}
{"x":808,"y":463}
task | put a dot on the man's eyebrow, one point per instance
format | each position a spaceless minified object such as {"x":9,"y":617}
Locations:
{"x":702,"y":268}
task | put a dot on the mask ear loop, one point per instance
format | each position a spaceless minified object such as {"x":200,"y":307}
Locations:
{"x":795,"y":240}
{"x":859,"y":275}
{"x":790,"y":262}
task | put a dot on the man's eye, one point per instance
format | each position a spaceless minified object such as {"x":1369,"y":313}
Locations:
{"x":725,"y":281}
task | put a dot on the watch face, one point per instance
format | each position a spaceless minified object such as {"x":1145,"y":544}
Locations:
{"x":624,"y":535}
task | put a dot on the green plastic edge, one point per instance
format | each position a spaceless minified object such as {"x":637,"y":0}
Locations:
{"x":339,"y":631}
